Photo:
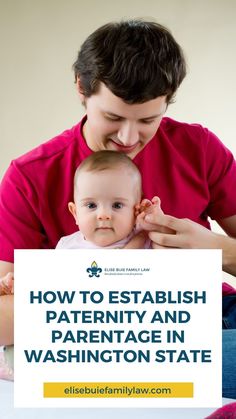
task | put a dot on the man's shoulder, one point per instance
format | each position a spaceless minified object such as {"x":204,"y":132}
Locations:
{"x":197,"y":136}
{"x":178,"y":134}
{"x":52,"y":148}
{"x":171,"y":125}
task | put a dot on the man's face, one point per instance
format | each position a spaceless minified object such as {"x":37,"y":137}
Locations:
{"x":113,"y":124}
{"x":104,"y":204}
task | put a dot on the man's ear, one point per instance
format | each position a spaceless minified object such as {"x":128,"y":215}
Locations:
{"x":72,"y":209}
{"x":80,"y":90}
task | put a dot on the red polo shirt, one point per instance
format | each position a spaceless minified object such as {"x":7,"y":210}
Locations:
{"x":186,"y":165}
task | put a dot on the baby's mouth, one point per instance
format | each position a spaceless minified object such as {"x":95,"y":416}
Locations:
{"x":104,"y":228}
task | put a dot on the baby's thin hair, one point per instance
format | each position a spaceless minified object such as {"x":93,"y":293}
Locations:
{"x":105,"y":160}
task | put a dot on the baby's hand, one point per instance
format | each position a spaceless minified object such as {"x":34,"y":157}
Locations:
{"x":142,"y":207}
{"x":7,"y":284}
{"x":147,"y":207}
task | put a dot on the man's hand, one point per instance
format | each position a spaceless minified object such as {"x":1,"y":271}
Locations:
{"x":7,"y":284}
{"x":190,"y":235}
{"x":185,"y":234}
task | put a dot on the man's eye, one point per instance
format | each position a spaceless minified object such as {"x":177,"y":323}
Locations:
{"x":112,"y":118}
{"x":91,"y":205}
{"x":148,"y":121}
{"x":117,"y":205}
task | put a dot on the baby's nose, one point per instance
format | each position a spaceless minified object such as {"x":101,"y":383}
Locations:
{"x":104,"y":214}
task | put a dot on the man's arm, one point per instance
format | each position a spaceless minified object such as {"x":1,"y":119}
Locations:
{"x":229,"y":244}
{"x":228,"y":225}
{"x":189,"y":235}
{"x":6,"y":309}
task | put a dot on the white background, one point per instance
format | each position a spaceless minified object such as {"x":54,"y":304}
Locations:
{"x":66,"y":270}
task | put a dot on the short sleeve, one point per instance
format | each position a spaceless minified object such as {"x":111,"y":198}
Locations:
{"x":221,"y":176}
{"x":20,"y":227}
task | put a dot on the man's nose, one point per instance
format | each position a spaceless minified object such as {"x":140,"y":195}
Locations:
{"x":128,"y":134}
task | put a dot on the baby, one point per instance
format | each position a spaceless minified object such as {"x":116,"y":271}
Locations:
{"x":106,"y":207}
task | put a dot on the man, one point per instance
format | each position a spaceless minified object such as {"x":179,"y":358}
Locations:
{"x":126,"y":74}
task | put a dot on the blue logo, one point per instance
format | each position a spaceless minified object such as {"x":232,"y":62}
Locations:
{"x":94,"y":270}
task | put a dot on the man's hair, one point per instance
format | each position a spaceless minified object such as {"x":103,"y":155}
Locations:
{"x":137,"y":60}
{"x":108,"y":160}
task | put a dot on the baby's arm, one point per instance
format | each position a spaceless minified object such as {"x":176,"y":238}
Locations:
{"x":7,"y":284}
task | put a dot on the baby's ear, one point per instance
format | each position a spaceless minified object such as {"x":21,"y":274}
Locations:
{"x":72,"y":209}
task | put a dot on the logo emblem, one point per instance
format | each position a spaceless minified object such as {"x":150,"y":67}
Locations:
{"x":94,"y":270}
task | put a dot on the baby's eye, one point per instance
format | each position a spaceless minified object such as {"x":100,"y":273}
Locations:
{"x":91,"y":205}
{"x":117,"y":205}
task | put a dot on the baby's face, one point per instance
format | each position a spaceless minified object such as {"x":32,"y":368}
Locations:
{"x":104,"y":205}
